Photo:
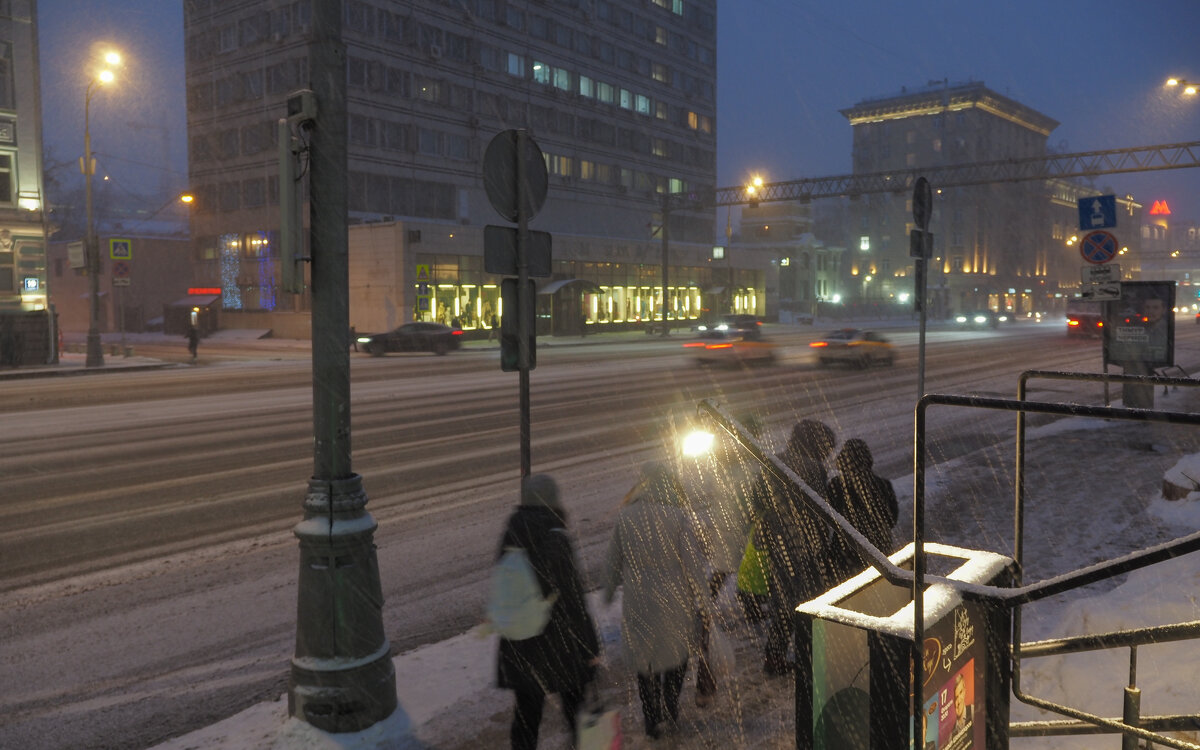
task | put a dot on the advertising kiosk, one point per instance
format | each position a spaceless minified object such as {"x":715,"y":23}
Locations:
{"x":855,"y":688}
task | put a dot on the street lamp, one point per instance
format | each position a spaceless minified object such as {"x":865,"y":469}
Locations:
{"x":1188,"y":88}
{"x":95,"y":354}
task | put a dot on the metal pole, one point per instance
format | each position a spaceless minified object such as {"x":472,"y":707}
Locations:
{"x":121,"y":320}
{"x":95,"y":355}
{"x":342,"y":677}
{"x":666,"y":257}
{"x":524,"y":301}
{"x":923,"y":303}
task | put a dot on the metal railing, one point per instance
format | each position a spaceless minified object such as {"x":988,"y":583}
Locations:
{"x":917,"y":579}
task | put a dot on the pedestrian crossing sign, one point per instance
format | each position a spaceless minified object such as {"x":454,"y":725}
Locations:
{"x":120,"y":249}
{"x":423,"y":273}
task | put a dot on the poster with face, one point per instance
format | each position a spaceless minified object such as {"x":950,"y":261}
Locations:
{"x":1139,"y":328}
{"x":956,"y":666}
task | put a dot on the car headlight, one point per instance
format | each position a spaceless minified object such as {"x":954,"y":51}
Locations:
{"x":980,"y":319}
{"x":364,"y":339}
{"x":1003,"y":318}
{"x":961,"y":319}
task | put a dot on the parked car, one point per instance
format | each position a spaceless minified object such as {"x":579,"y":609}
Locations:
{"x":412,"y":337}
{"x":731,"y":347}
{"x":854,"y":347}
{"x":980,"y":319}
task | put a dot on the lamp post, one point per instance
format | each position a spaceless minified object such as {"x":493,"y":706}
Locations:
{"x":95,"y":354}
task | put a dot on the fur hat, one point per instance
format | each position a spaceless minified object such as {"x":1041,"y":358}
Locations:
{"x":540,"y":489}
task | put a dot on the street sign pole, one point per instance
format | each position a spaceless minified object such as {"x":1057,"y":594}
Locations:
{"x":524,"y":302}
{"x":921,"y":246}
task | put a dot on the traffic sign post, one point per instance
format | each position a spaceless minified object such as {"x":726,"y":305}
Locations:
{"x":516,"y":182}
{"x":1097,"y":212}
{"x":921,"y":249}
{"x":1098,"y":247}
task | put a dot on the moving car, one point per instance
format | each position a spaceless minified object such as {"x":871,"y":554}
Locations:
{"x":854,"y":347}
{"x":412,"y":337}
{"x":980,"y":319}
{"x":731,"y":347}
{"x":1084,"y":318}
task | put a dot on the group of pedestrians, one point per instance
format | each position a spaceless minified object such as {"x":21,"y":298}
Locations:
{"x":672,"y":551}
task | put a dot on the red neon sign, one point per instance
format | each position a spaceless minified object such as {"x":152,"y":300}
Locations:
{"x":1160,"y":208}
{"x":204,"y":290}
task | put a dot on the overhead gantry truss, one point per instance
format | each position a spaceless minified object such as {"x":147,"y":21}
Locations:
{"x":1059,"y":166}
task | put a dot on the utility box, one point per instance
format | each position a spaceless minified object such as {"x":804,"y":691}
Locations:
{"x":854,"y":688}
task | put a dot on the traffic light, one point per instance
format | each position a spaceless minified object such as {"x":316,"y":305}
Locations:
{"x":510,"y":354}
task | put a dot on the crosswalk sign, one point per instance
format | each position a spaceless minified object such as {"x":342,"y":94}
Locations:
{"x":120,"y":249}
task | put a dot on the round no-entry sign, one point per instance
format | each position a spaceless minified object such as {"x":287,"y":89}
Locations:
{"x":1098,"y":247}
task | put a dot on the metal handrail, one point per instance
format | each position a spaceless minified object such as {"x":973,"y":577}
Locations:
{"x":1089,"y":723}
{"x":1016,"y":595}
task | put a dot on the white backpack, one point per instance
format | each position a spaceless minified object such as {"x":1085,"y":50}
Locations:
{"x":516,"y":606}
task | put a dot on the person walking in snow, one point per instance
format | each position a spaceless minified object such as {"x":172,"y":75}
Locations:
{"x":193,"y":339}
{"x":655,"y":557}
{"x":868,"y":502}
{"x":793,"y":539}
{"x":562,"y":658}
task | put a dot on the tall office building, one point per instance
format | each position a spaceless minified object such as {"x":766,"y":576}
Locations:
{"x":26,"y":328}
{"x":620,"y":95}
{"x":992,"y":247}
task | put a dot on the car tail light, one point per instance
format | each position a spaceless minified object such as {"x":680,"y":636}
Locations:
{"x":456,"y":332}
{"x":818,"y":344}
{"x":718,"y":346}
{"x":694,"y":345}
{"x":1072,"y":322}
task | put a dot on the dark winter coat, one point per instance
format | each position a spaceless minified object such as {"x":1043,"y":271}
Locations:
{"x":868,"y":502}
{"x":559,"y":657}
{"x":793,"y":538}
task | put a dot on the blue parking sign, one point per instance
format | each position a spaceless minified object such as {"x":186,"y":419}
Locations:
{"x":1097,"y":212}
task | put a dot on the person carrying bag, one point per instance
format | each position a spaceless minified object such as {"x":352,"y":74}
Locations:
{"x":562,"y":656}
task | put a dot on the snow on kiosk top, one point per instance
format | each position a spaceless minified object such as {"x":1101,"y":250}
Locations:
{"x":885,"y":608}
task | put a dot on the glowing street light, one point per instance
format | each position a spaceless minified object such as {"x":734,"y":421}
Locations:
{"x":103,"y":77}
{"x":1188,"y":88}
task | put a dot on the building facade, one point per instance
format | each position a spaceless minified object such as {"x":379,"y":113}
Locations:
{"x":26,"y":321}
{"x":801,"y":271}
{"x":991,"y":244}
{"x":620,"y":95}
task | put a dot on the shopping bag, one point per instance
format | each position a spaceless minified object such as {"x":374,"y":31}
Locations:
{"x":598,"y":726}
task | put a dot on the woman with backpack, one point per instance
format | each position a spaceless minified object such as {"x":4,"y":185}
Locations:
{"x":563,"y":657}
{"x":656,"y":556}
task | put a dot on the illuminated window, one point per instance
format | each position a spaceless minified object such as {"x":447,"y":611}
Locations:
{"x":541,"y":72}
{"x":660,"y":73}
{"x":626,"y":99}
{"x":562,"y":79}
{"x":864,"y":243}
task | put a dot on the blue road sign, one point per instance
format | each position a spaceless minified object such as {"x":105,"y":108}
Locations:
{"x":1097,"y":212}
{"x":1098,"y":247}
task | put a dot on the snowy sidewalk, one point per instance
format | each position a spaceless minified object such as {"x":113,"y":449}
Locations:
{"x":1097,"y":493}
